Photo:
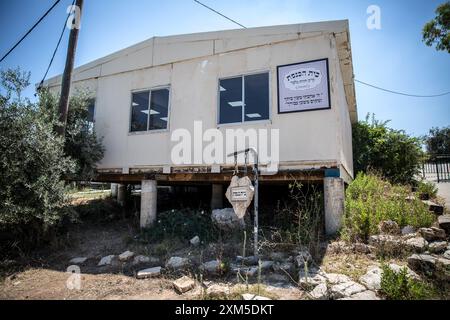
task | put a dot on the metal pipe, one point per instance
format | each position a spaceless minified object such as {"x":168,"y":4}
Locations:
{"x":256,"y":198}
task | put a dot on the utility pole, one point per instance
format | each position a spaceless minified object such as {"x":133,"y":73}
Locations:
{"x":67,"y":75}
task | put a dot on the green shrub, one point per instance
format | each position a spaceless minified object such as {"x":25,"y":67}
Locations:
{"x":371,"y":199}
{"x":32,"y":166}
{"x":183,"y":225}
{"x":427,"y":189}
{"x":399,"y":286}
{"x":392,"y":152}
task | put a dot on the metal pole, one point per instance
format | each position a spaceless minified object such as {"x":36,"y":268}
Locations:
{"x":256,"y":198}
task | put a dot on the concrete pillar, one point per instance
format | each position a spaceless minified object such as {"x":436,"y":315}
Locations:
{"x":149,"y":194}
{"x":114,"y":190}
{"x":217,"y":196}
{"x":334,"y":204}
{"x":121,"y":194}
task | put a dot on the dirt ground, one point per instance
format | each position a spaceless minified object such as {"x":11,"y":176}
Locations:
{"x":45,"y":275}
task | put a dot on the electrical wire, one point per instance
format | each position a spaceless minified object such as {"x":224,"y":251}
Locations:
{"x":29,"y":31}
{"x":220,"y":14}
{"x":402,"y":93}
{"x":56,"y":49}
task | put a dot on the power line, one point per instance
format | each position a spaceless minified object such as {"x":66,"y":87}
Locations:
{"x":57,"y":46}
{"x":29,"y":31}
{"x":402,"y":93}
{"x":220,"y":14}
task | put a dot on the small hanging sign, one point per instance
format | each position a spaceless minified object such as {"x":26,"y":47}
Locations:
{"x":240,"y":194}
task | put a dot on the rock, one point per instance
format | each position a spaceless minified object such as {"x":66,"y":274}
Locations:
{"x":183,"y":284}
{"x":339,"y":246}
{"x":266,"y":265}
{"x":434,"y":207}
{"x":211,"y":267}
{"x":149,"y":273}
{"x":78,"y":260}
{"x":226,"y":219}
{"x":217,"y":291}
{"x":247,"y":271}
{"x":372,"y":279}
{"x":443,"y":269}
{"x":106,"y":261}
{"x":284,"y":267}
{"x":335,"y":278}
{"x":249,"y":261}
{"x":387,"y":243}
{"x":302,"y":258}
{"x":177,"y":263}
{"x":362,"y":248}
{"x":444,"y":223}
{"x":432,"y":234}
{"x":365,"y":295}
{"x":195,"y":241}
{"x":408,"y":230}
{"x":144,"y":259}
{"x":320,"y":292}
{"x":396,"y":268}
{"x":437,"y":247}
{"x":417,"y":244}
{"x":388,"y":227}
{"x":277,"y":256}
{"x":310,"y":278}
{"x":447,"y":254}
{"x":422,"y":263}
{"x":249,"y":296}
{"x":346,"y":289}
{"x":125,"y":256}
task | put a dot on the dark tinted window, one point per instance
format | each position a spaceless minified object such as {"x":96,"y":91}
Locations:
{"x":139,"y":111}
{"x":256,"y":97}
{"x":159,"y":109}
{"x":230,"y":100}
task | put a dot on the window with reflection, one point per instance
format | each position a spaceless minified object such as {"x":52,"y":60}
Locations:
{"x":149,"y":110}
{"x":244,"y":98}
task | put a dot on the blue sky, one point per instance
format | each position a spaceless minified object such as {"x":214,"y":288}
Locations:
{"x":393,"y":57}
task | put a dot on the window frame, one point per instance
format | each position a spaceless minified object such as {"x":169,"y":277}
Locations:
{"x":149,"y":90}
{"x":242,"y":76}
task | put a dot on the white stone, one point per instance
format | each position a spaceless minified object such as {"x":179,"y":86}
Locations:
{"x":218,"y":291}
{"x":105,"y":261}
{"x":365,"y":295}
{"x":418,"y":244}
{"x":346,"y":289}
{"x":144,"y":259}
{"x":78,"y":260}
{"x":240,"y":207}
{"x":149,"y":273}
{"x":372,"y":279}
{"x":226,"y":219}
{"x":335,"y":278}
{"x":320,"y":292}
{"x":396,"y":268}
{"x":195,"y":241}
{"x":408,"y":230}
{"x":249,"y":296}
{"x":447,"y":254}
{"x":437,"y":247}
{"x":177,"y":263}
{"x":184,"y":284}
{"x":125,"y":256}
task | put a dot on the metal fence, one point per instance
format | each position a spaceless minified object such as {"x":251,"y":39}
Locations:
{"x":437,"y":168}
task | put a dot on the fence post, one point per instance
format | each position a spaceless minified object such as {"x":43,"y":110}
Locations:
{"x":437,"y":170}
